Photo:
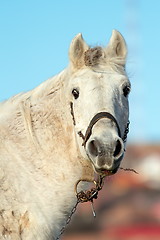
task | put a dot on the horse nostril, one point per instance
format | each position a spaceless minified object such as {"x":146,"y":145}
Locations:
{"x":117,"y":149}
{"x":92,"y":146}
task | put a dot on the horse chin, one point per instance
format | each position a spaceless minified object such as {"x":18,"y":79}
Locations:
{"x":103,"y":170}
{"x":106,"y":172}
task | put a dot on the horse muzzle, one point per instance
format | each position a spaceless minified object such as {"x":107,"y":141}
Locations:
{"x":104,"y":149}
{"x":105,"y":153}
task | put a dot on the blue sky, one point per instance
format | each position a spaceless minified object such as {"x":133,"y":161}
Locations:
{"x":35,"y":36}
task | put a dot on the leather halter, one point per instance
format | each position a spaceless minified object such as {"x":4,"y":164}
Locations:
{"x":95,"y":119}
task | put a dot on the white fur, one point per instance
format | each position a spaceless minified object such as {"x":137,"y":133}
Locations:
{"x":41,"y":154}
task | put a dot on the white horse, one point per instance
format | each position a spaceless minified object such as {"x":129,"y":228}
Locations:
{"x":63,"y":131}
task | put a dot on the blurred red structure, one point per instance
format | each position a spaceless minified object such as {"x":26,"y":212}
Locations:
{"x":128,"y":207}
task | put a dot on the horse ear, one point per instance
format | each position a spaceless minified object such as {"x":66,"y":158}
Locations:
{"x":117,"y":46}
{"x":76,"y":51}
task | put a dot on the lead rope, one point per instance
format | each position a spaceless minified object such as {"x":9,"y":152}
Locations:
{"x":68,"y":220}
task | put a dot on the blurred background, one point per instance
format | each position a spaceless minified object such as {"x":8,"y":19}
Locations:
{"x":34,"y":42}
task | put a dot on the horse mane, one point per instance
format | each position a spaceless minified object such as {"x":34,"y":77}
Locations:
{"x":98,"y":57}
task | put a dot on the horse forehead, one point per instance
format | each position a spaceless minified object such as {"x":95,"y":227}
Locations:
{"x":110,"y":76}
{"x":99,"y":75}
{"x":102,"y":78}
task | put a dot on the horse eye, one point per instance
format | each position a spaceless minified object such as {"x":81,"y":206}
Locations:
{"x":126,"y":91}
{"x":75,"y":93}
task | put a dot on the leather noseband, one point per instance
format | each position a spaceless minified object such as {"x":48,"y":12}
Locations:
{"x":95,"y":119}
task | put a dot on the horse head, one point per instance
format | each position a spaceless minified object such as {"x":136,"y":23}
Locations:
{"x":98,"y":97}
